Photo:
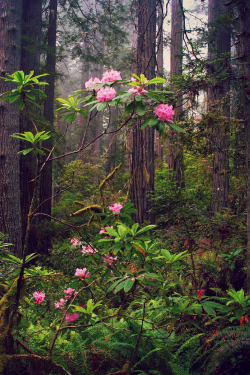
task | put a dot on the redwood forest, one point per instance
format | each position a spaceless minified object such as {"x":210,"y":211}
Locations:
{"x":124,"y":187}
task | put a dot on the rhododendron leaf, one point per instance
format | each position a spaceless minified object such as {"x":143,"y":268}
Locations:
{"x":152,"y":275}
{"x":134,"y":228}
{"x":208,"y":309}
{"x":143,"y":281}
{"x":131,"y":210}
{"x":153,"y":97}
{"x":134,"y":84}
{"x":82,"y":112}
{"x":148,"y":227}
{"x":145,"y":123}
{"x":138,"y":98}
{"x":128,"y":285}
{"x":107,"y":273}
{"x":114,"y":285}
{"x":141,"y":250}
{"x":167,"y":255}
{"x":91,"y":109}
{"x":120,"y":286}
{"x":126,"y":206}
{"x":156,"y":80}
{"x":101,"y":106}
{"x":134,"y":75}
{"x":93,"y":102}
{"x":129,"y":108}
{"x":111,"y":232}
{"x":142,"y":77}
{"x":176,"y":127}
{"x":116,"y":272}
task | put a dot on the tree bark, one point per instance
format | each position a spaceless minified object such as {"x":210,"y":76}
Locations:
{"x":175,"y":158}
{"x":46,"y":176}
{"x":244,"y":19}
{"x":111,"y":150}
{"x":10,"y":53}
{"x":143,"y":140}
{"x":30,"y":60}
{"x":219,"y":47}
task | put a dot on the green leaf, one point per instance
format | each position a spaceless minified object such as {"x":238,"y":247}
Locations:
{"x":208,"y":309}
{"x":13,"y":98}
{"x":29,"y":137}
{"x":120,"y":286}
{"x":63,"y":101}
{"x":148,"y":227}
{"x":101,"y":106}
{"x":71,"y":117}
{"x":156,"y":80}
{"x":114,"y":285}
{"x":153,"y":97}
{"x":20,"y":104}
{"x":128,"y":285}
{"x":26,"y":151}
{"x":150,"y":122}
{"x":140,"y":108}
{"x":134,"y":75}
{"x":176,"y":127}
{"x":19,"y":76}
{"x":83,"y":112}
{"x":129,"y":108}
{"x":111,"y":232}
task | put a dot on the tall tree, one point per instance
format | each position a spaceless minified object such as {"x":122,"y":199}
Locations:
{"x":30,"y":60}
{"x":219,"y":50}
{"x":244,"y":56}
{"x":10,"y":56}
{"x":46,"y":175}
{"x":143,"y":140}
{"x":175,"y":158}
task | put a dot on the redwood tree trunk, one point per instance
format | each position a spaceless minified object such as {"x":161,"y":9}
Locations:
{"x":143,"y":140}
{"x":30,"y":60}
{"x":219,"y":47}
{"x":10,"y":53}
{"x":46,"y":176}
{"x":175,"y":158}
{"x":244,"y":18}
{"x":111,"y":150}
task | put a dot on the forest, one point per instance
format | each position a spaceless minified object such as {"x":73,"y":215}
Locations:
{"x":124,"y":187}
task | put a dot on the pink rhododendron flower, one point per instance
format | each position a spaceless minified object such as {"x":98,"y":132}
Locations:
{"x":88,"y":250}
{"x":92,"y":82}
{"x":103,"y":230}
{"x":111,"y":272}
{"x":105,"y":94}
{"x":199,"y":293}
{"x":116,"y":207}
{"x":39,"y":297}
{"x":109,"y":259}
{"x":111,"y":76}
{"x":71,"y":317}
{"x":75,"y":241}
{"x":60,"y":304}
{"x":82,"y":272}
{"x":69,"y":291}
{"x":164,"y":112}
{"x":82,"y":306}
{"x":126,"y":277}
{"x":140,"y":276}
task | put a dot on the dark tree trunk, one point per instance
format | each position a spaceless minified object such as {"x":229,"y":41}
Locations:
{"x":219,"y":47}
{"x":46,"y":175}
{"x":111,"y":150}
{"x":244,"y":18}
{"x":143,"y":140}
{"x":175,"y":158}
{"x":30,"y":60}
{"x":159,"y":63}
{"x":10,"y":53}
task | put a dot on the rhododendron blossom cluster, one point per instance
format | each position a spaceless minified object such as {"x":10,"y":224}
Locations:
{"x":111,"y":76}
{"x":69,"y":293}
{"x":92,"y":82}
{"x":109,"y":259}
{"x":39,"y":297}
{"x":105,"y":94}
{"x":164,"y":112}
{"x":75,"y":241}
{"x":60,"y":304}
{"x":82,"y":272}
{"x":88,"y":250}
{"x":71,"y":317}
{"x":116,"y":207}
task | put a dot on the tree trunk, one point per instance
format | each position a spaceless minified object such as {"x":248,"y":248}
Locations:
{"x":46,"y":176}
{"x":30,"y":60}
{"x":219,"y":47}
{"x":160,"y":70}
{"x":143,"y":140}
{"x":112,"y":141}
{"x":244,"y":18}
{"x":175,"y":158}
{"x":10,"y":54}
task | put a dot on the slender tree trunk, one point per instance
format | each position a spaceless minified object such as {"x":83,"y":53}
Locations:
{"x":112,"y":141}
{"x":46,"y":176}
{"x":159,"y":60}
{"x":30,"y":60}
{"x":83,"y":120}
{"x":175,"y":158}
{"x":143,"y":140}
{"x":244,"y":18}
{"x":219,"y":47}
{"x":10,"y":54}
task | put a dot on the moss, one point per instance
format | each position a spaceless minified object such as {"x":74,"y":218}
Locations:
{"x":95,"y":207}
{"x":105,"y":181}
